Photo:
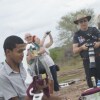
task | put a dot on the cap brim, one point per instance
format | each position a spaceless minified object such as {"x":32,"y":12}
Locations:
{"x":88,"y":17}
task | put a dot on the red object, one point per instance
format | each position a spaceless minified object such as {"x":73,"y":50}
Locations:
{"x":34,"y":85}
{"x":91,"y":91}
{"x":33,"y":40}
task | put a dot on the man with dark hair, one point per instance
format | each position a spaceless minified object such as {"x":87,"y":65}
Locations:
{"x":13,"y":74}
{"x":82,"y":38}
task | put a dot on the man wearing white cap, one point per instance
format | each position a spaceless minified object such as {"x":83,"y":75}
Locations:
{"x":81,"y":42}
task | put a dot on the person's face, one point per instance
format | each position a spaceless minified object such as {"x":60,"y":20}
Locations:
{"x":83,"y":24}
{"x":16,"y":55}
{"x":37,"y":40}
{"x":28,"y":38}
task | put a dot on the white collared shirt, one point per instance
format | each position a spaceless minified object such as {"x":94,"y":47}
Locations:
{"x":12,"y":83}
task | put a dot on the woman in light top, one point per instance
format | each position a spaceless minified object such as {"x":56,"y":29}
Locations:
{"x":44,"y":57}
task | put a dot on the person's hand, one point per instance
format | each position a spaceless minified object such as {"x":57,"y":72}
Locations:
{"x":84,"y":47}
{"x":96,"y":44}
{"x":45,"y":35}
{"x":41,"y":84}
{"x":48,"y":32}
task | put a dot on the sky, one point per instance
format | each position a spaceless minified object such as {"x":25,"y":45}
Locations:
{"x":36,"y":16}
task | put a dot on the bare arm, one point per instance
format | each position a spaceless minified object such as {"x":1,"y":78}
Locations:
{"x":43,"y":40}
{"x":50,"y":42}
{"x":96,"y":44}
{"x":41,"y":51}
{"x":77,"y":49}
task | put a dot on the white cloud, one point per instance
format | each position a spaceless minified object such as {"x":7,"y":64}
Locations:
{"x":37,"y":16}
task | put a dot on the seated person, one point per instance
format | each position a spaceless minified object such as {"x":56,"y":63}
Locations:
{"x":13,"y":74}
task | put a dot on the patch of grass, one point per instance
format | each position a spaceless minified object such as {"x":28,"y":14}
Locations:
{"x":67,"y":77}
{"x":73,"y":64}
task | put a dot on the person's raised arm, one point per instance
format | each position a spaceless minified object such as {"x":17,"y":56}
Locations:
{"x":44,"y":37}
{"x":50,"y":42}
{"x":43,"y":40}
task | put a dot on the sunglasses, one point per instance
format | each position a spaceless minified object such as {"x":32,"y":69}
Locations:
{"x":28,"y":37}
{"x":82,"y":21}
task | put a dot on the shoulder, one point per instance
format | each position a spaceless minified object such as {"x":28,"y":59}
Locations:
{"x":3,"y":77}
{"x":3,"y":71}
{"x":93,"y":28}
{"x":77,"y":33}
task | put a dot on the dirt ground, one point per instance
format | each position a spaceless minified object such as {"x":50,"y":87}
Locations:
{"x":74,"y":90}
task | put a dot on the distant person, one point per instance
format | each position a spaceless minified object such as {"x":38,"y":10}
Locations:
{"x":34,"y":41}
{"x":28,"y":38}
{"x":81,"y":41}
{"x":13,"y":74}
{"x":45,"y":57}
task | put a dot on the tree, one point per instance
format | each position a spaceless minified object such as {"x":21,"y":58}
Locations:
{"x":66,"y":26}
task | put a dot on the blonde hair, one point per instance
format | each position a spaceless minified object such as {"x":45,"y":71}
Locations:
{"x":27,"y":34}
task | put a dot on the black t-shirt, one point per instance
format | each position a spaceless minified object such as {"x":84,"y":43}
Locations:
{"x":80,"y":38}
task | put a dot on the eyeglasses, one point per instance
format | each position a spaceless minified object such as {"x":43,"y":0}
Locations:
{"x":82,"y":21}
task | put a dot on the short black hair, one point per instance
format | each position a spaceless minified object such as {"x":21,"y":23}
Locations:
{"x":11,"y":41}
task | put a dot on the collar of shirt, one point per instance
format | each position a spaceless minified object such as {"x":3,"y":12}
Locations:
{"x":9,"y":70}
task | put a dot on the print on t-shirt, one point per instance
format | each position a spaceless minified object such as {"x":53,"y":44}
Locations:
{"x":81,"y":39}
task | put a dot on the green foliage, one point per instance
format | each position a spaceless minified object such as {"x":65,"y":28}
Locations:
{"x":66,"y":26}
{"x":57,"y":53}
{"x":61,"y":55}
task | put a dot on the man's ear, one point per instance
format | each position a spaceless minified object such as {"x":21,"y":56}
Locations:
{"x":8,"y":52}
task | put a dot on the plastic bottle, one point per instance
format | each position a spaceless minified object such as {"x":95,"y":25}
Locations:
{"x":93,"y":81}
{"x":98,"y":83}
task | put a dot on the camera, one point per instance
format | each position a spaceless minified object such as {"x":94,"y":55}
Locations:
{"x":90,"y":38}
{"x":48,"y":32}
